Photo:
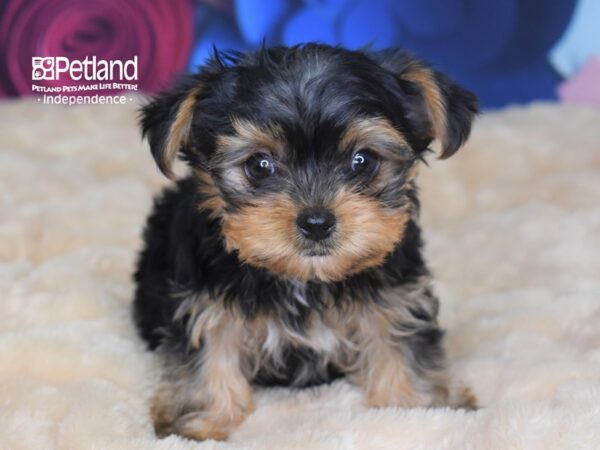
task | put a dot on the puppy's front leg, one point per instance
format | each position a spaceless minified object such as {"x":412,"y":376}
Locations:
{"x":209,"y":396}
{"x":401,"y":360}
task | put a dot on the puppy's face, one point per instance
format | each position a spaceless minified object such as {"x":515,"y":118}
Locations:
{"x":307,"y":155}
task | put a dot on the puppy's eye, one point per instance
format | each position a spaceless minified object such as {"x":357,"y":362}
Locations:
{"x":365,"y":162}
{"x":259,"y":166}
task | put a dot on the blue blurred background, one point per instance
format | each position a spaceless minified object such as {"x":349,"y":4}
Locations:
{"x":499,"y":49}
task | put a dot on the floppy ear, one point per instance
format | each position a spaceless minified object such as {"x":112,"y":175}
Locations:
{"x":166,"y":123}
{"x":440,"y":108}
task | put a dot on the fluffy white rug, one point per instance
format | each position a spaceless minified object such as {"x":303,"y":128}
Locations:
{"x":513,"y":229}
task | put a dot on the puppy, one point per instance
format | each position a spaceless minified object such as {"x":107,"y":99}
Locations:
{"x":291,"y":252}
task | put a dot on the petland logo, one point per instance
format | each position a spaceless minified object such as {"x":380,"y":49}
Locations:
{"x":81,"y":82}
{"x":90,"y":69}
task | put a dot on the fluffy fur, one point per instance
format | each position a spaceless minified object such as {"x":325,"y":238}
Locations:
{"x":230,"y":290}
{"x":512,"y":237}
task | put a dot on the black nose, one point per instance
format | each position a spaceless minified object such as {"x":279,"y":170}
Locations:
{"x":316,"y":224}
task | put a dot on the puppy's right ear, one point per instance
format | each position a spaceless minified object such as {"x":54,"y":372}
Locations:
{"x":437,"y":107}
{"x":166,"y":123}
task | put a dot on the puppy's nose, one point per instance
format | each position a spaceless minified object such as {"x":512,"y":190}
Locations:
{"x":316,"y":224}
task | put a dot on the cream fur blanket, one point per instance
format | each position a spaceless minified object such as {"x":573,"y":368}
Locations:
{"x":513,"y":230}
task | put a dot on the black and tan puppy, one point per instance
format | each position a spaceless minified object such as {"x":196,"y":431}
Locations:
{"x":291,"y":254}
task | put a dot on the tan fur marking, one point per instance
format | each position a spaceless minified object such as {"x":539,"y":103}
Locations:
{"x":376,"y":133}
{"x":249,"y":135}
{"x":368,"y":231}
{"x":180,"y":128}
{"x":211,"y":196}
{"x":264,"y":234}
{"x":433,"y":97}
{"x":412,"y":173}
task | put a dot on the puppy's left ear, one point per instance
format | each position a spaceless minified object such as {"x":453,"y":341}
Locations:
{"x":166,"y":122}
{"x":437,"y":107}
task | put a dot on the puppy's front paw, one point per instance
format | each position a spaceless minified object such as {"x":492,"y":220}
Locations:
{"x":198,"y":425}
{"x":463,"y":398}
{"x":438,"y":396}
{"x":392,"y":386}
{"x":394,"y":391}
{"x":202,"y":424}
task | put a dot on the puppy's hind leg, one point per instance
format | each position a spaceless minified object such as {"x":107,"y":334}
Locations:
{"x":207,"y":397}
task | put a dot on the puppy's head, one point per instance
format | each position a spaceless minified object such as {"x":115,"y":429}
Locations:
{"x":307,"y":154}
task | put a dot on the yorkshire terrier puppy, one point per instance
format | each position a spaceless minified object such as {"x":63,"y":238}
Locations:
{"x":291,"y":252}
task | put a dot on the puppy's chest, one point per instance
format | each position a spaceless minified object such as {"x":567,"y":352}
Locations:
{"x":321,"y":332}
{"x":297,"y":340}
{"x":299,"y":321}
{"x":277,"y":353}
